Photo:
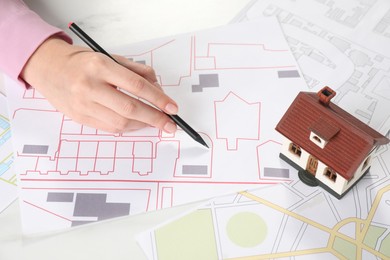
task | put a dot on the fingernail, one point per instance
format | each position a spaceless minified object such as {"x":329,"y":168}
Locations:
{"x":171,"y":109}
{"x":170,"y":127}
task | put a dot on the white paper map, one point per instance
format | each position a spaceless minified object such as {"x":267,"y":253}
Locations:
{"x":232,"y":84}
{"x":8,"y":189}
{"x":279,"y":221}
{"x":342,"y":44}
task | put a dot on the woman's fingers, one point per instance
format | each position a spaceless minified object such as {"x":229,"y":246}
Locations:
{"x":129,"y":108}
{"x":103,"y":118}
{"x":143,"y":70}
{"x":141,"y":88}
{"x":83,"y":85}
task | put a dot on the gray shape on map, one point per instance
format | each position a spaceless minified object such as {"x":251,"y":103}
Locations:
{"x":296,"y":23}
{"x":288,"y":74}
{"x":95,"y":205}
{"x":363,"y":114}
{"x":276,"y":172}
{"x":380,"y":27}
{"x":81,"y":222}
{"x":357,"y":74}
{"x":353,"y":81}
{"x":60,"y":197}
{"x":379,"y":58}
{"x":341,"y":44}
{"x":360,"y":58}
{"x":383,"y":23}
{"x":35,"y":149}
{"x":206,"y":81}
{"x":316,"y":57}
{"x":372,"y":106}
{"x":194,"y":169}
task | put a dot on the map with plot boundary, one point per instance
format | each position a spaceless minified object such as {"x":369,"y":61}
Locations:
{"x":225,"y":80}
{"x":8,"y":187}
{"x":278,"y":221}
{"x":332,"y":42}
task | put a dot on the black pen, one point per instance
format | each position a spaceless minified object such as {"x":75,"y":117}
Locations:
{"x":96,"y":47}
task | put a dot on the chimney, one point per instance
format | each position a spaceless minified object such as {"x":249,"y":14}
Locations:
{"x":325,"y":95}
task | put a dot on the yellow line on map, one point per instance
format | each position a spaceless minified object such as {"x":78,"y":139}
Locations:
{"x":6,"y":119}
{"x":373,"y":209}
{"x":295,"y":215}
{"x":286,"y":254}
{"x":8,"y":182}
{"x":6,"y":158}
{"x":6,"y":130}
{"x":360,"y":234}
{"x":3,"y":133}
{"x":13,"y":179}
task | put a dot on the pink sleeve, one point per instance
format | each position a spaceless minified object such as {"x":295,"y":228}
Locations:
{"x":21,"y":32}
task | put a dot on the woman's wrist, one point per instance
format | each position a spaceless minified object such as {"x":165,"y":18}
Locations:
{"x":46,"y":61}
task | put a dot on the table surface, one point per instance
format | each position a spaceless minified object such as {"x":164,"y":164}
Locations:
{"x":106,"y":23}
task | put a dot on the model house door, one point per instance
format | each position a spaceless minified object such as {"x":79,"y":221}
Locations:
{"x":312,"y":165}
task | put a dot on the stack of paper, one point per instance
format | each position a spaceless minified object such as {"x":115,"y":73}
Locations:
{"x":232,"y":84}
{"x":343,"y":45}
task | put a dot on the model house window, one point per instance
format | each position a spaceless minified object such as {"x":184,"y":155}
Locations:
{"x":295,"y":149}
{"x":331,"y":174}
{"x":317,"y":140}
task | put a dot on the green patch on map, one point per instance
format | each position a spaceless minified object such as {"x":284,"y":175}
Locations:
{"x":345,"y":248}
{"x":191,"y":238}
{"x":373,"y":233}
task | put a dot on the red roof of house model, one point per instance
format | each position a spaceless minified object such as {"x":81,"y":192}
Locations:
{"x":349,"y":139}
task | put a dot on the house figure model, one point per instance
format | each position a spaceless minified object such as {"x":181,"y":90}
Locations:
{"x":329,"y":147}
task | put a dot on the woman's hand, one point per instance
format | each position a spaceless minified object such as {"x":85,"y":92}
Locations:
{"x":82,"y":84}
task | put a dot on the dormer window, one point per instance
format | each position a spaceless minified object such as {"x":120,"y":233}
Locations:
{"x":317,"y":140}
{"x":322,"y":131}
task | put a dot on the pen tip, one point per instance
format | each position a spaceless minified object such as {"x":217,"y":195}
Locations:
{"x":202,"y":142}
{"x":70,"y":24}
